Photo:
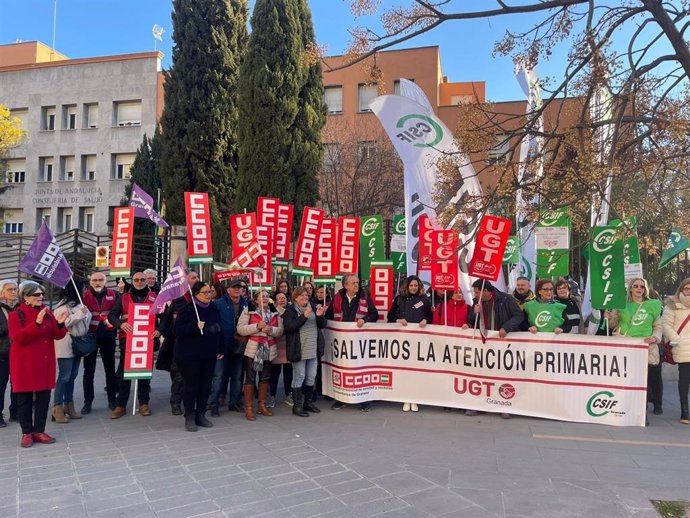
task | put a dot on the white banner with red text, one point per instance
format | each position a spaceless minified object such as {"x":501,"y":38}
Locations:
{"x":589,"y":379}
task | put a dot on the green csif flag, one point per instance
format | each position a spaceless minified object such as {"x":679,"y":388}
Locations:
{"x":371,"y":246}
{"x":553,"y":243}
{"x":631,"y":249}
{"x":398,"y":239}
{"x":512,"y":251}
{"x":675,"y":244}
{"x":607,"y":268}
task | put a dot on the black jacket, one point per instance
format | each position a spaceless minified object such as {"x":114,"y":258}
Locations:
{"x":4,"y":332}
{"x":413,"y":308}
{"x":507,"y":313}
{"x":293,"y":320}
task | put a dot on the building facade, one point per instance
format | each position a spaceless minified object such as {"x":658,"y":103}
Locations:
{"x":85,"y":119}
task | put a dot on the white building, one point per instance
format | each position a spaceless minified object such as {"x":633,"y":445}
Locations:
{"x":85,"y":120}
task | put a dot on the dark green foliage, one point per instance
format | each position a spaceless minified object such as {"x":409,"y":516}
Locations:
{"x":281,"y":108}
{"x":200,"y":115}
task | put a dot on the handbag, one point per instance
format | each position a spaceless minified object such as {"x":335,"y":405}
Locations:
{"x":84,"y":345}
{"x":668,"y":350}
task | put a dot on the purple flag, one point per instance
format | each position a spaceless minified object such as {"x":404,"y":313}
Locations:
{"x":45,"y":259}
{"x":175,"y":286}
{"x":143,"y":206}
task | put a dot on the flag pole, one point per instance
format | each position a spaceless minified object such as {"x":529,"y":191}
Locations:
{"x":195,"y":308}
{"x":479,"y":303}
{"x":445,"y":308}
{"x":134,"y":401}
{"x":76,"y":290}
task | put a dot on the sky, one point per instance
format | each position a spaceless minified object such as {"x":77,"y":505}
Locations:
{"x":87,"y":28}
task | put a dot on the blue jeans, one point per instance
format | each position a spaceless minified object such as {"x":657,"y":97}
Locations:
{"x":230,"y":366}
{"x":304,"y":372}
{"x":68,"y":368}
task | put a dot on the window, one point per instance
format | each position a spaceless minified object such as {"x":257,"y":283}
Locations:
{"x":333,"y":97}
{"x":127,"y":113}
{"x":90,"y":115}
{"x":86,"y":216}
{"x":16,"y":170}
{"x":122,"y":165}
{"x":500,"y":153}
{"x":45,"y":173}
{"x":331,"y":157}
{"x":367,"y":93}
{"x":42,"y":214}
{"x":69,"y":116}
{"x":22,"y":114}
{"x":366,"y":151}
{"x":88,"y":167}
{"x":66,"y":168}
{"x":13,"y":223}
{"x":48,"y":118}
{"x":64,"y":219}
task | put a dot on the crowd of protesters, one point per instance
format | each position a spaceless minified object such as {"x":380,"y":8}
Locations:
{"x":223,"y":344}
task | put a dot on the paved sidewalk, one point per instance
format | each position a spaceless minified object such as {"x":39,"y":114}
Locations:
{"x":344,"y":463}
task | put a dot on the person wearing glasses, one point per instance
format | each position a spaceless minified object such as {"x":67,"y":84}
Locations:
{"x":262,"y":327}
{"x":544,"y":314}
{"x":33,"y":331}
{"x":8,"y":302}
{"x":572,"y":310}
{"x":118,"y":317}
{"x":197,"y":347}
{"x":228,"y":372}
{"x":676,"y":322}
{"x":641,"y":318}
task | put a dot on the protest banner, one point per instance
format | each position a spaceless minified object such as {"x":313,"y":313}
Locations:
{"x":631,"y":250}
{"x":607,"y":268}
{"x":225,"y":275}
{"x":143,"y":206}
{"x":243,"y":232}
{"x":489,"y":248}
{"x":46,"y":260}
{"x":175,"y":286}
{"x":371,"y":245}
{"x":444,"y":260}
{"x":512,"y":251}
{"x":426,"y":244}
{"x":675,"y":244}
{"x":398,"y":248}
{"x":589,"y":379}
{"x":327,"y":254}
{"x":381,"y":287}
{"x":123,"y":233}
{"x":199,"y":243}
{"x":283,"y":233}
{"x":307,"y":244}
{"x":552,"y":237}
{"x":348,"y":244}
{"x":267,"y":217}
{"x":264,"y":238}
{"x":138,"y":361}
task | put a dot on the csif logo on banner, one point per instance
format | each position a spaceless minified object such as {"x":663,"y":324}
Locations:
{"x":399,"y":226}
{"x":604,"y":240}
{"x":603,"y":403}
{"x":543,"y":319}
{"x":550,"y":217}
{"x":419,"y":130}
{"x":369,"y":226}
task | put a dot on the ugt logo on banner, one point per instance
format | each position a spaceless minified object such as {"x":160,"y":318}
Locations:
{"x":489,"y":248}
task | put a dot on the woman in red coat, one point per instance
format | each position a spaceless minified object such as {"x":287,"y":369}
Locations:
{"x":454,"y":312}
{"x":33,"y":331}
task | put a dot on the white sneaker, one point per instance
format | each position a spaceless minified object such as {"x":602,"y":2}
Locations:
{"x":406,"y":407}
{"x":414,"y":407}
{"x":270,"y":402}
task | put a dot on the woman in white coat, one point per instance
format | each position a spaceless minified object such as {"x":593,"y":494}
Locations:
{"x":676,"y":322}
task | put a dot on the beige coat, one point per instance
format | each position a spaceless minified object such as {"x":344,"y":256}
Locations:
{"x":244,"y":328}
{"x":76,"y":318}
{"x":675,"y":313}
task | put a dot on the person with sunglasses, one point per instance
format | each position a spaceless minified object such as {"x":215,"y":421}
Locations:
{"x":33,"y":331}
{"x":118,"y":317}
{"x":197,"y":347}
{"x":641,"y":318}
{"x":544,"y":314}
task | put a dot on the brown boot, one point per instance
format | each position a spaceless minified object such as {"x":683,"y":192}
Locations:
{"x":263,"y":392}
{"x":144,"y":410}
{"x":118,"y":412}
{"x":58,"y":415}
{"x":71,"y":411}
{"x":248,"y":401}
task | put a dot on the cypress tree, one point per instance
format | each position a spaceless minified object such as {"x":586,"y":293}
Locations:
{"x":200,"y":115}
{"x":311,"y":117}
{"x":271,"y":79}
